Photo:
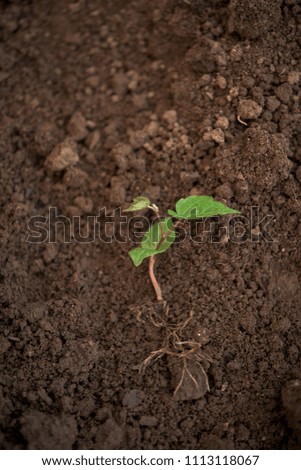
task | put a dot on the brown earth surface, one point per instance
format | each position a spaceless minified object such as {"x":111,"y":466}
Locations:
{"x":103,"y":100}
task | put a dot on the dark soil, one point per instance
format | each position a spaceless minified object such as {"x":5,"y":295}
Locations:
{"x":145,"y":99}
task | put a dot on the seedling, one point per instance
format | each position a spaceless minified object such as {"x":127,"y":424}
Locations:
{"x":156,"y":240}
{"x":162,"y":234}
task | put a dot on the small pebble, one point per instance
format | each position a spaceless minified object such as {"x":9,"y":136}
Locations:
{"x":233,"y":92}
{"x":236,"y":53}
{"x":92,"y":140}
{"x":256,"y":231}
{"x":77,"y":126}
{"x":205,"y":80}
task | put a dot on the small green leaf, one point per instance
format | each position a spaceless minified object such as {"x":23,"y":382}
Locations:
{"x":173,"y":214}
{"x":196,"y":207}
{"x":139,"y":254}
{"x":151,"y":240}
{"x":139,"y":203}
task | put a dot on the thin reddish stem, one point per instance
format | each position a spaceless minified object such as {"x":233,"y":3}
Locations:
{"x":152,"y":260}
{"x":153,"y":279}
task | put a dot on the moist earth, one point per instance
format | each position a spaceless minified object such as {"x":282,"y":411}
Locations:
{"x":102,"y":101}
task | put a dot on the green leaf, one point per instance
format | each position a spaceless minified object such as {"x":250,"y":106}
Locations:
{"x":139,"y":254}
{"x":196,"y":207}
{"x":173,"y":214}
{"x":139,"y":203}
{"x":151,"y":239}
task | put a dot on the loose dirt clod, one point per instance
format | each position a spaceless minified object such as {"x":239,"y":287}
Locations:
{"x":248,"y":109}
{"x":62,"y":156}
{"x":77,"y":126}
{"x":215,"y":135}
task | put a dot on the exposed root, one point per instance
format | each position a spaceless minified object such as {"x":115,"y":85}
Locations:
{"x":241,"y":121}
{"x":186,"y":351}
{"x":153,"y":357}
{"x":157,"y":314}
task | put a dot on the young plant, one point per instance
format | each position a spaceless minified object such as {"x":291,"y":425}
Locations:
{"x":162,"y":234}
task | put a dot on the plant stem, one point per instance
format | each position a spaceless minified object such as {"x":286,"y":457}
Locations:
{"x":153,"y":279}
{"x":152,"y":260}
{"x":165,"y":235}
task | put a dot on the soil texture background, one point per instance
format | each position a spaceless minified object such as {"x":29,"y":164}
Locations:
{"x":104,"y":100}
